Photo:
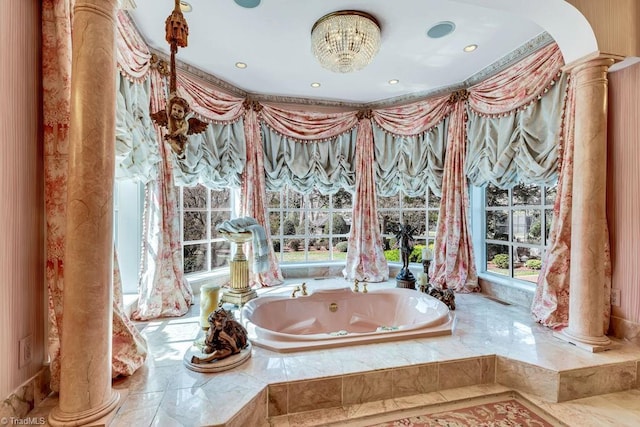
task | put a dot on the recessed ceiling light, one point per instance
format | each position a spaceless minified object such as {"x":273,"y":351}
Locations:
{"x":470,"y":48}
{"x":441,"y":29}
{"x":185,"y":7}
{"x":247,"y":3}
{"x":241,"y":65}
{"x":315,"y":84}
{"x":394,"y":81}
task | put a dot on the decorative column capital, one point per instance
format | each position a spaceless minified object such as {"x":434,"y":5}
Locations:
{"x":593,"y":62}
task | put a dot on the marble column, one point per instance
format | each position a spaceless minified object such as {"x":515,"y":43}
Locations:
{"x":85,"y":375}
{"x":588,"y":217}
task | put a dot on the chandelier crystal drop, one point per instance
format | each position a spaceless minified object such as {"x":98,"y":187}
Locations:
{"x":345,"y":41}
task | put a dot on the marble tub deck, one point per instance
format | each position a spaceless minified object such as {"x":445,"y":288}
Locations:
{"x":494,"y":348}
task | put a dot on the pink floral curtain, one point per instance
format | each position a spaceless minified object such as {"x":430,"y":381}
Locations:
{"x":163,"y":290}
{"x":132,"y":52}
{"x":307,"y":125}
{"x":56,"y":84}
{"x":415,"y":118}
{"x":454,"y":266}
{"x":129,"y":348}
{"x":519,"y":85}
{"x":209,"y":104}
{"x":254,"y":194}
{"x":551,"y":300}
{"x":365,"y":253}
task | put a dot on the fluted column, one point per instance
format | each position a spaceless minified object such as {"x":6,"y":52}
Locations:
{"x":588,"y":218}
{"x":85,"y":376}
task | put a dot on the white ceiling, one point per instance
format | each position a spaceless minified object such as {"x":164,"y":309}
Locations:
{"x":274,"y":40}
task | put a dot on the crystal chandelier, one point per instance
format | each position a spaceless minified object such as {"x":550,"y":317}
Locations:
{"x":345,"y":41}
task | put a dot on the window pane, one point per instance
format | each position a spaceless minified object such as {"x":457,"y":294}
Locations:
{"x":414,"y":202}
{"x":218,"y":218}
{"x":290,"y":223}
{"x":342,"y":200}
{"x":293,"y":200}
{"x":318,"y":251}
{"x":527,"y":226}
{"x":498,"y":225}
{"x":548,"y":217}
{"x":194,"y":197}
{"x":195,"y":226}
{"x":317,"y":200}
{"x":340,"y":224}
{"x":527,"y":264}
{"x":496,"y":196}
{"x":277,"y":246}
{"x":220,"y":253}
{"x":550,"y":195}
{"x":388,"y":202}
{"x":417,"y":220}
{"x":318,"y":222}
{"x":273,"y":199}
{"x":339,"y":246}
{"x":293,"y":250}
{"x":498,"y":259}
{"x":433,"y":223}
{"x":390,"y":222}
{"x":274,"y":223}
{"x":526,"y":194}
{"x":221,"y":199}
{"x":434,"y":201}
{"x":195,"y":258}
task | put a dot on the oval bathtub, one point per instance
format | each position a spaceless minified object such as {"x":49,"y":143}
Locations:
{"x":339,"y":317}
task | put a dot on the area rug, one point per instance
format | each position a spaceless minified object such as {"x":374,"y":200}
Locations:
{"x":503,"y":413}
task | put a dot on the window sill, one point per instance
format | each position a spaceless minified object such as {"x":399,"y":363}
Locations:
{"x":507,"y":289}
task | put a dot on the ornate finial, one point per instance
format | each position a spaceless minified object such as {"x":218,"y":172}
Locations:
{"x":250,"y":104}
{"x":364,"y":114}
{"x":459,"y":95}
{"x":160,"y":64}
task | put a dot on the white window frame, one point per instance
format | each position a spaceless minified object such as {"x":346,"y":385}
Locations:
{"x":479,"y":231}
{"x":233,"y":210}
{"x":283,"y":213}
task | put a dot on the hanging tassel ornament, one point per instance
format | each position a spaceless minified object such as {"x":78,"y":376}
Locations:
{"x":174,"y":117}
{"x":176,"y":28}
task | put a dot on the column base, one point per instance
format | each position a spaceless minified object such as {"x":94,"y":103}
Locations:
{"x":100,"y":416}
{"x":592,"y":344}
{"x":238,"y":296}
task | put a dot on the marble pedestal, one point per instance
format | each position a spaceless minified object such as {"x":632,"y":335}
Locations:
{"x":239,"y":291}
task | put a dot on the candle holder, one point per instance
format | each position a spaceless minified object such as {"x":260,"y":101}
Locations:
{"x":425,"y":266}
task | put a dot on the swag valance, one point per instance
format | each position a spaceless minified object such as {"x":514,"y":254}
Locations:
{"x":327,"y":165}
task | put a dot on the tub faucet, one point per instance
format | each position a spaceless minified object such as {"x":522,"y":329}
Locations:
{"x":304,"y":289}
{"x":296,"y":289}
{"x":355,"y":286}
